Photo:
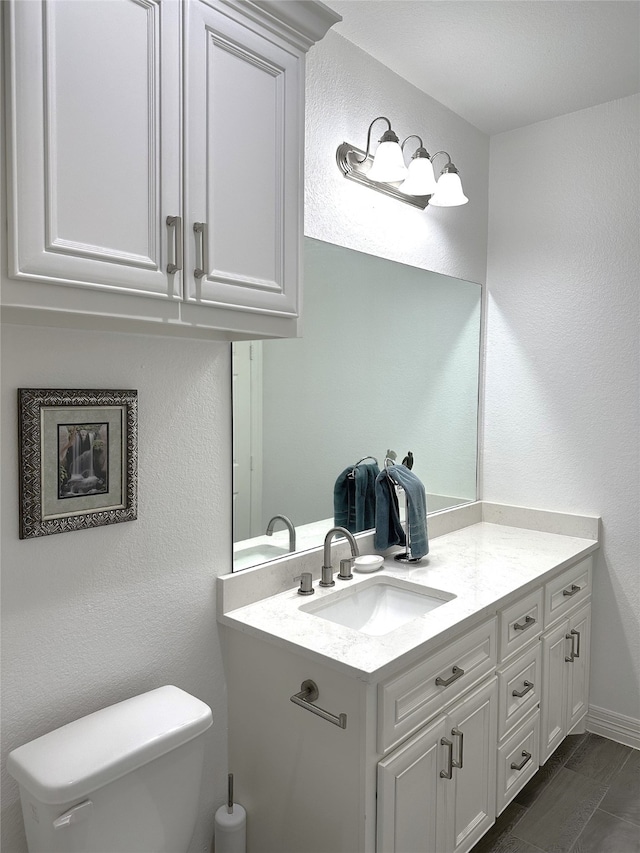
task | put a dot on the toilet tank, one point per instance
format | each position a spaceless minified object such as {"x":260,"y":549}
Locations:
{"x":125,"y":779}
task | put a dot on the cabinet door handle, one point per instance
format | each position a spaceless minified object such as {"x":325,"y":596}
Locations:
{"x":572,"y":653}
{"x":522,"y":626}
{"x":448,"y":773}
{"x":200,"y":230}
{"x":458,"y":762}
{"x":456,"y":672}
{"x":526,"y":756}
{"x":572,"y":591}
{"x":528,"y":685}
{"x":175,"y":222}
{"x":576,"y":634}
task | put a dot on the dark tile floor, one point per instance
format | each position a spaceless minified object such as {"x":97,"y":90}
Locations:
{"x":585,"y":799}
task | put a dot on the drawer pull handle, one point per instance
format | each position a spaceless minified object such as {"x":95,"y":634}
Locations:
{"x":458,"y":762}
{"x":528,"y":685}
{"x":448,"y":773}
{"x":200,"y":230}
{"x":526,"y":756}
{"x":308,"y":694}
{"x":456,"y":672}
{"x":572,"y":591}
{"x":522,"y":626}
{"x":175,"y":222}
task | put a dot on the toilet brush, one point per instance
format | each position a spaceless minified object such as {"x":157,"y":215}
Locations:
{"x":231,"y":825}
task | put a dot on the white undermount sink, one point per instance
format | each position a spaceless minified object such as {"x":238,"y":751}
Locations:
{"x":379,"y":605}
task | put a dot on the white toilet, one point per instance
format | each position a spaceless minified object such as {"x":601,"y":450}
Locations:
{"x":125,"y":779}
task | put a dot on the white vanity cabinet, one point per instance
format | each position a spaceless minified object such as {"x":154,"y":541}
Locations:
{"x":370,"y":786}
{"x":155,"y":163}
{"x":440,"y":736}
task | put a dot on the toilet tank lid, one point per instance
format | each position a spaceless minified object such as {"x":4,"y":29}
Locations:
{"x":76,"y":759}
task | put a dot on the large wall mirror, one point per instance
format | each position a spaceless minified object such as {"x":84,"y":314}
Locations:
{"x":388,"y":359}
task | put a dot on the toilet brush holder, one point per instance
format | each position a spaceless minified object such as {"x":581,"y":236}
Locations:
{"x":231,"y":825}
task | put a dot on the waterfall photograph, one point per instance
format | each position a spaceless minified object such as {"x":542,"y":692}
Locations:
{"x":82,"y":451}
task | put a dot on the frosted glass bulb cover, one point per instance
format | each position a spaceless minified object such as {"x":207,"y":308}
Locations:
{"x":420,"y":179}
{"x":448,"y":191}
{"x":388,"y":164}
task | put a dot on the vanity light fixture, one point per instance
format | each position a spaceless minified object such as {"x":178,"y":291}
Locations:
{"x":387,"y":172}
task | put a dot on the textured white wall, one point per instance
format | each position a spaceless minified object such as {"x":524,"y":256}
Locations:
{"x":562,"y":389}
{"x":346,"y":90}
{"x":92,"y":617}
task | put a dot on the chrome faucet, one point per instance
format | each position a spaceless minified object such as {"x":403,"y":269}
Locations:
{"x":290,"y":528}
{"x":327,"y":568}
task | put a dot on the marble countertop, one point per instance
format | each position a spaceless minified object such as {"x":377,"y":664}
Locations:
{"x":485,"y":565}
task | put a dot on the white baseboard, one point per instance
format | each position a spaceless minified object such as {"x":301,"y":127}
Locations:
{"x":614,"y":726}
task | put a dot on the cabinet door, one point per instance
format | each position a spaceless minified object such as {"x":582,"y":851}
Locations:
{"x":555,"y":649}
{"x":94,"y":143}
{"x":578,"y":668}
{"x":243,"y":143}
{"x":471,"y":793}
{"x":410,"y":808}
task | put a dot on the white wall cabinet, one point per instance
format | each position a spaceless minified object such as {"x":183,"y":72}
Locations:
{"x":155,"y":162}
{"x":94,"y":150}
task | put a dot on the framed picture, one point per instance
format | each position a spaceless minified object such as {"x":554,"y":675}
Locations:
{"x":78,"y":459}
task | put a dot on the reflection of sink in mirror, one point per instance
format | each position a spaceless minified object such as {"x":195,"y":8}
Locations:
{"x":378,"y":606}
{"x":255,"y":554}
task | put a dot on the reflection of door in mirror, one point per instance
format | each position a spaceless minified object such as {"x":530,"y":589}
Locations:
{"x":246,"y":375}
{"x":388,"y":359}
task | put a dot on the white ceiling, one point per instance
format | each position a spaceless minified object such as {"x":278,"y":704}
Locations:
{"x":502,"y":64}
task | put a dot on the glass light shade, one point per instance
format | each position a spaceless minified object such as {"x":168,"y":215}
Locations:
{"x":448,"y":191}
{"x":420,"y":179}
{"x":388,"y":164}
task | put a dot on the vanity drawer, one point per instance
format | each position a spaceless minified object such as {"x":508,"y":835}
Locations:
{"x":518,"y":689}
{"x":517,"y":760}
{"x":409,"y":700}
{"x":562,"y":593}
{"x":519,"y":623}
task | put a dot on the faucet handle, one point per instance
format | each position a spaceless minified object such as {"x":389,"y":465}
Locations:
{"x":306,"y":583}
{"x":345,"y":569}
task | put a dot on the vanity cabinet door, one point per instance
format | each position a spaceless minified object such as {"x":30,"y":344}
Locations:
{"x":470,"y":794}
{"x":565,"y":679}
{"x":411,"y":814}
{"x":437,"y":792}
{"x":244,"y":97}
{"x":94,"y":147}
{"x":553,"y":699}
{"x":578,"y":670}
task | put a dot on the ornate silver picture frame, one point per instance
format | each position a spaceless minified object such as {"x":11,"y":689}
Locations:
{"x":78,"y":459}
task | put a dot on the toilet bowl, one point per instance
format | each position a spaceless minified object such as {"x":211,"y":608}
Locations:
{"x":125,"y":779}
